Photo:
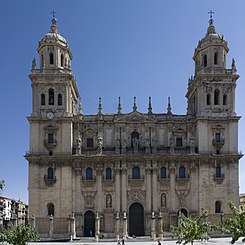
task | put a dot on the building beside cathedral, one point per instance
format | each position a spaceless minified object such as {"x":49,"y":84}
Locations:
{"x":125,"y":174}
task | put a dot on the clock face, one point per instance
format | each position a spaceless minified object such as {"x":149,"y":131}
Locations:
{"x":50,"y":115}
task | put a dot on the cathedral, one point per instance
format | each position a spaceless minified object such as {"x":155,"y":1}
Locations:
{"x":130,"y":174}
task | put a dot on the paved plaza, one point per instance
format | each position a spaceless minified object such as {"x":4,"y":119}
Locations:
{"x":140,"y":242}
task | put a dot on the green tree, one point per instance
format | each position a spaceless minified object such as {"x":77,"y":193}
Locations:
{"x":234,"y":226}
{"x":19,"y":235}
{"x":189,"y":229}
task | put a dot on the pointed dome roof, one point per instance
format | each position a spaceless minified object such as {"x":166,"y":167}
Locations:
{"x":53,"y":36}
{"x":211,"y":35}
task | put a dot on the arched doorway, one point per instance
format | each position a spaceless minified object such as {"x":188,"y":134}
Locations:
{"x":136,"y":220}
{"x":184,"y":211}
{"x":89,"y":224}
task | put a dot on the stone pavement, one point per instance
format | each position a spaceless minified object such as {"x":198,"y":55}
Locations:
{"x":216,"y":241}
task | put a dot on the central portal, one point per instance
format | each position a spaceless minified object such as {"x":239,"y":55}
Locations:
{"x":89,"y":224}
{"x":136,"y":220}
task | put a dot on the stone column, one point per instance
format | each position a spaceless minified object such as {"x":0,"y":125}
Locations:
{"x":73,"y":226}
{"x":124,"y":187}
{"x":118,"y":188}
{"x":33,"y":220}
{"x":153,"y":226}
{"x":154,"y":187}
{"x":117,"y":226}
{"x":51,"y":226}
{"x":125,"y":227}
{"x":172,"y":169}
{"x":97,"y":226}
{"x":99,"y":188}
{"x":160,"y":225}
{"x":148,"y":188}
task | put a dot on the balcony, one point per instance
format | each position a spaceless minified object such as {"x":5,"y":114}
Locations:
{"x":219,"y":142}
{"x":48,"y":180}
{"x":50,"y":145}
{"x":219,"y":178}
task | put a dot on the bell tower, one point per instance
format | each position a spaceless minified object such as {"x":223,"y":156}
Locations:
{"x":54,"y":95}
{"x":211,"y":94}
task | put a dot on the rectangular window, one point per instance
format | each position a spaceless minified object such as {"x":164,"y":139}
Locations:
{"x":217,"y":138}
{"x":90,"y":142}
{"x":50,"y":138}
{"x":178,"y":142}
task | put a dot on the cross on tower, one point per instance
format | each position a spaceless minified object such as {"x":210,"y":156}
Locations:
{"x":53,"y":14}
{"x":211,"y":12}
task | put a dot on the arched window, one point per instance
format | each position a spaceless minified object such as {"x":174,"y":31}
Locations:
{"x":216,"y":58}
{"x":51,"y":58}
{"x":108,"y":173}
{"x":108,"y":201}
{"x":216,"y":97}
{"x":182,"y":172}
{"x":163,"y":173}
{"x":51,"y":96}
{"x":135,"y":173}
{"x":217,"y":207}
{"x":50,"y":173}
{"x":50,"y":209}
{"x":163,"y":200}
{"x":205,"y":60}
{"x":59,"y":99}
{"x":225,"y":99}
{"x":89,"y":173}
{"x":62,"y":60}
{"x":42,"y":99}
{"x":208,"y":99}
{"x":218,"y":172}
{"x":42,"y":61}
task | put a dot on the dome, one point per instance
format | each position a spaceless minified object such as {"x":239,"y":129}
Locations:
{"x":53,"y":36}
{"x":211,"y":35}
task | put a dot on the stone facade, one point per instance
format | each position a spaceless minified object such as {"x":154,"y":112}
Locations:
{"x":130,"y":173}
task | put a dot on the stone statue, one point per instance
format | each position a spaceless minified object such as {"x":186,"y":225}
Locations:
{"x":99,"y":145}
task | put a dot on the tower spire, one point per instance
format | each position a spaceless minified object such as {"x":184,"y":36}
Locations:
{"x":80,"y":106}
{"x":100,"y":106}
{"x":119,"y":107}
{"x":211,"y":28}
{"x":134,"y":107}
{"x":169,"y":106}
{"x":149,"y":106}
{"x":54,"y":28}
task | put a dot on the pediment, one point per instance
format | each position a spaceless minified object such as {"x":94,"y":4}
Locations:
{"x":136,"y":116}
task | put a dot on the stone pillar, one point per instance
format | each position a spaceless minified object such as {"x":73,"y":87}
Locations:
{"x":99,"y":189}
{"x":124,"y":187}
{"x":97,"y":226}
{"x":118,"y":188}
{"x":73,"y":226}
{"x":153,"y":226}
{"x":51,"y":226}
{"x":155,"y":196}
{"x":172,"y":169}
{"x":33,"y":221}
{"x":160,"y":225}
{"x":125,"y":227}
{"x":117,"y":226}
{"x":148,"y":188}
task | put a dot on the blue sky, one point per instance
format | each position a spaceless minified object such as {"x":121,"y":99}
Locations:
{"x":121,"y":48}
